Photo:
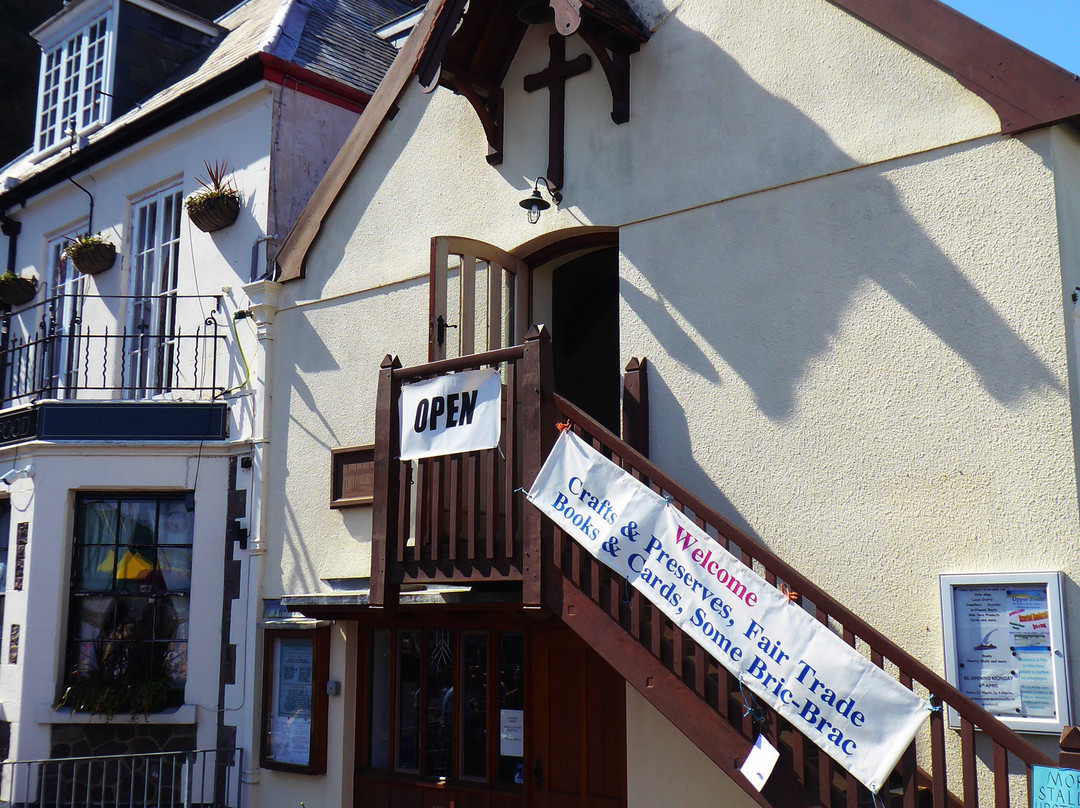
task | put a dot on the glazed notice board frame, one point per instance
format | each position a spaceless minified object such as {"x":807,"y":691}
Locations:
{"x":1005,"y":647}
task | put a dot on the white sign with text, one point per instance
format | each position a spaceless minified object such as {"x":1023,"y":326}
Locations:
{"x":863,"y":718}
{"x":459,"y":412}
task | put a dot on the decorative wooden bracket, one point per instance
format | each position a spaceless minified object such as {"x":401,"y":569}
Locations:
{"x":487,"y":100}
{"x":616,"y":65}
{"x":567,"y":15}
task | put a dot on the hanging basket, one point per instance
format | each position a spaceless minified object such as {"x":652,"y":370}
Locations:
{"x":213,"y":213}
{"x":15,"y":291}
{"x":92,"y":258}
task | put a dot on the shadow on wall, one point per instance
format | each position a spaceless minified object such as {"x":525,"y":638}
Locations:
{"x":770,"y":275}
{"x":764,"y":281}
{"x":336,"y":371}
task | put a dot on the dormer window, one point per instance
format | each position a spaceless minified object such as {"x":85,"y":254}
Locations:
{"x":73,"y":90}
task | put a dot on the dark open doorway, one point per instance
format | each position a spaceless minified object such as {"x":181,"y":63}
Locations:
{"x":585,"y":333}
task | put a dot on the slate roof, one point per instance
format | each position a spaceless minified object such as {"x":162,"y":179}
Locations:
{"x":338,"y":41}
{"x":330,"y":37}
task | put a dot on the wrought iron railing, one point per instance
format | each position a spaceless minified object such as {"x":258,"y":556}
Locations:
{"x":203,"y":777}
{"x":76,"y":346}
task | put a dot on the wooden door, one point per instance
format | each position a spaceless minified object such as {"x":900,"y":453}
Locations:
{"x":478,"y":298}
{"x":578,"y":726}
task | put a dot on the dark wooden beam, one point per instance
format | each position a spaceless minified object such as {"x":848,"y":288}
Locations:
{"x":486,"y":100}
{"x":538,"y":436}
{"x":616,"y":66}
{"x":635,"y":401}
{"x":384,"y":526}
{"x":710,"y":733}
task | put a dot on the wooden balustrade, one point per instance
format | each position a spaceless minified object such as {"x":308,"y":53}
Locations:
{"x":922,"y":776}
{"x":463,"y":518}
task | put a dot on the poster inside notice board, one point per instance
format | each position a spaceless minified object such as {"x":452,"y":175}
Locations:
{"x":290,"y":723}
{"x":1005,"y":647}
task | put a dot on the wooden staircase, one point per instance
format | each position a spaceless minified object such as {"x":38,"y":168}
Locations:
{"x":464,"y":519}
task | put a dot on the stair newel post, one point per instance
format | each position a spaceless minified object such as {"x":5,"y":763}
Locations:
{"x":384,"y":526}
{"x":1069,"y":748}
{"x":537,"y":419}
{"x":635,"y":404}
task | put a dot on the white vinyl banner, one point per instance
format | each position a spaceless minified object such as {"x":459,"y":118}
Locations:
{"x":459,"y":412}
{"x":863,"y":718}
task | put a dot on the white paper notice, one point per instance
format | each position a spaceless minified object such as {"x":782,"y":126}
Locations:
{"x":511,"y":733}
{"x":459,"y":412}
{"x":760,"y":762}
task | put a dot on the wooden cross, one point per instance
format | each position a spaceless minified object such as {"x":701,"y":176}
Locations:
{"x":554,"y":77}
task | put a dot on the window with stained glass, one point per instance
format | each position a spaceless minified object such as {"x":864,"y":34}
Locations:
{"x":131,"y":582}
{"x":447,"y":704}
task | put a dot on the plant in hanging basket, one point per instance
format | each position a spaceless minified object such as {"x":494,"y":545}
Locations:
{"x":217,"y":203}
{"x":15,"y":291}
{"x":91,"y":254}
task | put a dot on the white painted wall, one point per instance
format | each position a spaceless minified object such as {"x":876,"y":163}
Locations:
{"x":850,"y":291}
{"x":28,"y":690}
{"x":664,"y":768}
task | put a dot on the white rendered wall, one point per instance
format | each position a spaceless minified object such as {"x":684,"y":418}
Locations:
{"x":664,"y":768}
{"x":848,"y":287}
{"x":28,"y":689}
{"x":209,"y":264}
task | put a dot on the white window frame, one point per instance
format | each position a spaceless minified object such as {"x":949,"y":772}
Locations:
{"x":66,"y":290}
{"x":153,"y":285}
{"x":74,"y":83}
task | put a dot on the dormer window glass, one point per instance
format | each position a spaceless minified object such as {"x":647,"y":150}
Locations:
{"x":73,"y":88}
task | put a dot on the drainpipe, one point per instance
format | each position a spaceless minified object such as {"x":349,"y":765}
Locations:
{"x":10,"y":228}
{"x":264,"y":296}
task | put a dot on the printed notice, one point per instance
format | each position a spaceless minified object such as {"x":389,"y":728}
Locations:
{"x":511,"y":733}
{"x":290,"y":724}
{"x":1004,"y":656}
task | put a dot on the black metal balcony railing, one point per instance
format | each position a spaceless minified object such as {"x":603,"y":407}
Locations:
{"x":57,"y":349}
{"x":205,"y":777}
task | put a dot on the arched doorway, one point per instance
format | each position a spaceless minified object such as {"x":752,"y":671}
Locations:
{"x":483,"y":297}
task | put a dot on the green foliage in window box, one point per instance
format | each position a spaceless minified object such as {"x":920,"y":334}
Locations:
{"x":124,"y":675}
{"x":217,"y":203}
{"x":98,"y":693}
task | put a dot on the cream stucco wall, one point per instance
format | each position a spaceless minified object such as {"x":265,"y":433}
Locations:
{"x":664,"y":768}
{"x":850,"y":291}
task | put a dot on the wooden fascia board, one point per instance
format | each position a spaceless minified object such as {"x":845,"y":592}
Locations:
{"x":1024,"y":89}
{"x":294,"y":250}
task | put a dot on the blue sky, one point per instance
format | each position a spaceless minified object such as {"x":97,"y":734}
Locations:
{"x":1051,"y":28}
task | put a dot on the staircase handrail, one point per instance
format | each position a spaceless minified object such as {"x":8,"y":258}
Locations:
{"x":908,"y":665}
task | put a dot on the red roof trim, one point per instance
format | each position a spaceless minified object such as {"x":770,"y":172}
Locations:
{"x":308,"y":82}
{"x":1024,"y":89}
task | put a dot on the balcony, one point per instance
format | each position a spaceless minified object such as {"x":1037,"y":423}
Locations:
{"x":80,"y":347}
{"x":119,"y":367}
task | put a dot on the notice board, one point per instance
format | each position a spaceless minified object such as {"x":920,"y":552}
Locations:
{"x":1005,"y":647}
